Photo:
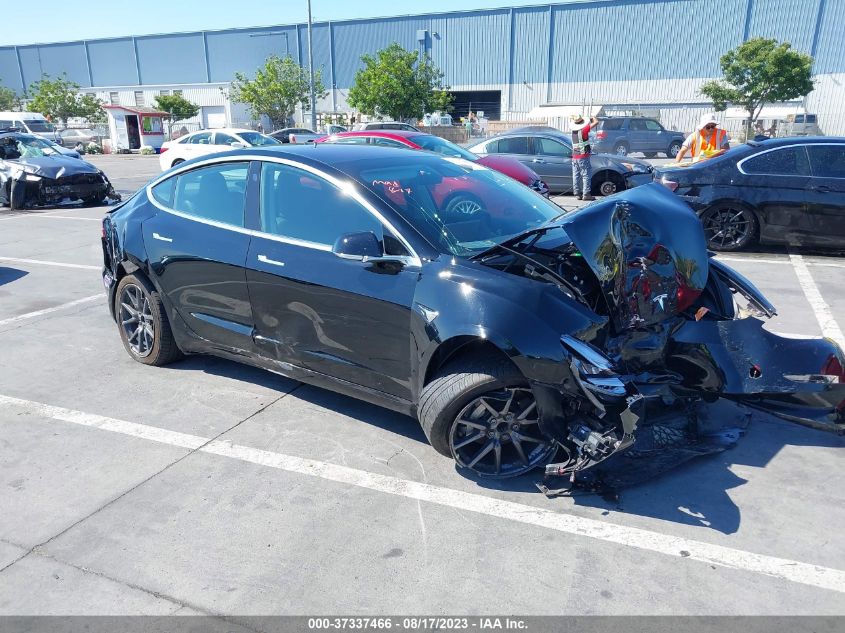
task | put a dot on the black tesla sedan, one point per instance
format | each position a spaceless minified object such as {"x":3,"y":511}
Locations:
{"x":778,"y":191}
{"x":512,"y":332}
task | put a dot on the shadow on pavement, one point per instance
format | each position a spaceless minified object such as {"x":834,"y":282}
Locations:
{"x":8,"y":275}
{"x":695,"y":493}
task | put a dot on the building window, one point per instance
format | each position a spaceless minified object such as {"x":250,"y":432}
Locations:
{"x":177,"y":92}
{"x":164,"y":93}
{"x":139,"y":98}
{"x":93,"y":95}
{"x":114,"y":98}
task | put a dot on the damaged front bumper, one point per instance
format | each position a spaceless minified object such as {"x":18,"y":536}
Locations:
{"x":28,"y":190}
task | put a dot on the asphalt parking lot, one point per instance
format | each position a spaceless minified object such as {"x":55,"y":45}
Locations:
{"x":210,"y":487}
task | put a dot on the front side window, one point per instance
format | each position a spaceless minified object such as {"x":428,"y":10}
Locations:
{"x":200,"y":138}
{"x":789,"y":161}
{"x":551,"y":147}
{"x":653,"y":126}
{"x":39,"y":126}
{"x":442,"y":146}
{"x":297,"y":204}
{"x":224,"y":139}
{"x":388,"y":142}
{"x":216,"y":192}
{"x":256,"y":139}
{"x":828,"y":161}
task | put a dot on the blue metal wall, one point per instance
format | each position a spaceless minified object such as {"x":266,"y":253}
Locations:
{"x":570,"y":42}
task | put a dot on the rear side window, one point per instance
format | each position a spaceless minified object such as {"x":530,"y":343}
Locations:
{"x":637,"y":125}
{"x":216,"y":192}
{"x":828,"y":161}
{"x":299,"y":205}
{"x":789,"y":161}
{"x":611,"y":124}
{"x":387,"y":142}
{"x":512,"y":145}
{"x":200,"y":138}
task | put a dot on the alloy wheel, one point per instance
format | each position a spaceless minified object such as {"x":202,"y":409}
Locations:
{"x":727,"y":228}
{"x":498,"y":435}
{"x":136,"y":319}
{"x":621,"y":150}
{"x":466,"y":206}
{"x":608,"y":188}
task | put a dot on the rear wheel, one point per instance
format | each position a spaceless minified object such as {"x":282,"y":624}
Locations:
{"x":620,"y":149}
{"x":729,"y":227}
{"x":482,"y":412}
{"x":673,"y":150}
{"x":142,"y":321}
{"x":177,"y":161}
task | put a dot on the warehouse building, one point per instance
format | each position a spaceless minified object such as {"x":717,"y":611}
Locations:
{"x":629,"y":56}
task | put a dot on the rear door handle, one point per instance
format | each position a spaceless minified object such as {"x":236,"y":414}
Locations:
{"x":822,"y":188}
{"x":266,"y":260}
{"x":538,"y":160}
{"x":162,"y":238}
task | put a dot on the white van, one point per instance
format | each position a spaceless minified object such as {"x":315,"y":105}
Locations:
{"x":30,"y":122}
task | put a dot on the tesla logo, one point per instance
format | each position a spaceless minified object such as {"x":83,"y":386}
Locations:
{"x":660,"y":299}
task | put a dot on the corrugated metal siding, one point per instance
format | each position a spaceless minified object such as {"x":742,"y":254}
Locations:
{"x":531,"y":45}
{"x":10,"y":76}
{"x":830,"y":53}
{"x":113,"y":62}
{"x":353,"y":39}
{"x":30,"y":63}
{"x":170,"y":59}
{"x":230,"y":52}
{"x":792,"y":21}
{"x":65,"y":58}
{"x":639,"y":40}
{"x":477,"y":46}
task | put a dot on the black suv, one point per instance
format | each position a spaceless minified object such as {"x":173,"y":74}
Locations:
{"x":623,"y":135}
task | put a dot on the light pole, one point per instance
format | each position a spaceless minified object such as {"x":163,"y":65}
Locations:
{"x":311,"y":73}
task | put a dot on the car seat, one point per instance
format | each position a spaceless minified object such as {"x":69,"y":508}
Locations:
{"x":215,"y":201}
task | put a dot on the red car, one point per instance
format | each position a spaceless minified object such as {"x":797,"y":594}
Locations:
{"x":464,"y":203}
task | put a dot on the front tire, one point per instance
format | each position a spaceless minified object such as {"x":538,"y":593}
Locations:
{"x":482,"y":413}
{"x":142,"y":322}
{"x":607,"y":183}
{"x":729,"y":227}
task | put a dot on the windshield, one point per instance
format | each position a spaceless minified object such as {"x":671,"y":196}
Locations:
{"x":461,"y":206}
{"x":29,"y":147}
{"x":442,"y":146}
{"x":38,"y":126}
{"x":257,"y":139}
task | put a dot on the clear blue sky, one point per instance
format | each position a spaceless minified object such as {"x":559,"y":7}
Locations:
{"x":60,"y":20}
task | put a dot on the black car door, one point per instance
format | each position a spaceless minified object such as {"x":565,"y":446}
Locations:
{"x":314,"y":309}
{"x":776,"y":184}
{"x":197,"y":246}
{"x":826,"y":193}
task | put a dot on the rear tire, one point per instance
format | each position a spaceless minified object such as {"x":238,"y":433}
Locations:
{"x":142,"y":322}
{"x":729,"y":227}
{"x":621,"y":149}
{"x":673,"y":150}
{"x":177,"y":162}
{"x":455,"y":432}
{"x":17,"y":194}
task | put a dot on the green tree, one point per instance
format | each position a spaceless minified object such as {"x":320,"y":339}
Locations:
{"x":8,"y":99}
{"x":279,"y":86}
{"x":177,"y":106}
{"x":59,"y":99}
{"x":399,"y":84}
{"x":758,"y":72}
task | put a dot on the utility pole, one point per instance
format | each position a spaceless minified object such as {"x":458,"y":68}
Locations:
{"x":311,"y":72}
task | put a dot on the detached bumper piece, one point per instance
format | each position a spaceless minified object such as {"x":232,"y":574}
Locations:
{"x":30,"y":191}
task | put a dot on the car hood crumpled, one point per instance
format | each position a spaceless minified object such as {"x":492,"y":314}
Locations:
{"x":56,"y":166}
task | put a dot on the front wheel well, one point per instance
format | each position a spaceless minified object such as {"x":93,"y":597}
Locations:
{"x":459,"y":347}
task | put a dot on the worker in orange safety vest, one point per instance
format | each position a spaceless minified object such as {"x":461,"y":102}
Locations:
{"x":706,"y":141}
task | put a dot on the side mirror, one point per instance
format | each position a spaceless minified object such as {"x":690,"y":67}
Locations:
{"x":358,"y":246}
{"x":237,"y":144}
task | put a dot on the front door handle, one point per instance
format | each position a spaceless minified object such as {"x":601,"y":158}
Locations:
{"x":266,"y":260}
{"x":162,"y":238}
{"x":538,"y":160}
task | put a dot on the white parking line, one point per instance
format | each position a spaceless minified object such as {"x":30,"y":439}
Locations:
{"x":64,"y":306}
{"x":824,"y":316}
{"x":30,"y":216}
{"x":41,"y":262}
{"x":680,"y":548}
{"x":785,"y":262}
